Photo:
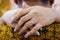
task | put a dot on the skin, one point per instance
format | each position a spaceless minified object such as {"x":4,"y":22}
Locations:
{"x":40,"y":16}
{"x":56,"y":5}
{"x":6,"y":18}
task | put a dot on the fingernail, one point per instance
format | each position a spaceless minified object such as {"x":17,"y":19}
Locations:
{"x":15,"y":30}
{"x":26,"y":36}
{"x":37,"y":33}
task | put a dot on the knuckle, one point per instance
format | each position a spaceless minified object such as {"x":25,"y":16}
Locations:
{"x":22,"y":19}
{"x":27,"y":23}
{"x":18,"y":25}
{"x":35,"y":12}
{"x":34,"y":29}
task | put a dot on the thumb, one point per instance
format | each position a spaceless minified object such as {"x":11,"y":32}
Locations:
{"x":24,"y":5}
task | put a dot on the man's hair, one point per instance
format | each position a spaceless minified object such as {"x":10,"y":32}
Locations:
{"x":45,"y":1}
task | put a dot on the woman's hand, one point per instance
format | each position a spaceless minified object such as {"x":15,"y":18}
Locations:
{"x":35,"y":15}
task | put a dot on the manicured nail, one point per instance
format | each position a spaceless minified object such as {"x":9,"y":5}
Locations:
{"x":15,"y":30}
{"x":37,"y":33}
{"x":26,"y":36}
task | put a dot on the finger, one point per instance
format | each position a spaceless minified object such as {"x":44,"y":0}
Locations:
{"x":21,"y":13}
{"x":25,"y":27}
{"x":23,"y":20}
{"x":23,"y":30}
{"x":37,"y":33}
{"x":37,"y":27}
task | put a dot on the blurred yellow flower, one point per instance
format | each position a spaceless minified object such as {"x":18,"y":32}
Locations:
{"x":0,"y":1}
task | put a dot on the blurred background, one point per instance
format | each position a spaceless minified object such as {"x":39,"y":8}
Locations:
{"x":4,"y":6}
